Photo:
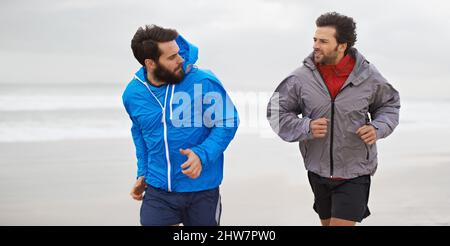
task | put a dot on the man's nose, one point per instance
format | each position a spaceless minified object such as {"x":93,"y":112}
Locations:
{"x":316,"y":45}
{"x":180,"y":59}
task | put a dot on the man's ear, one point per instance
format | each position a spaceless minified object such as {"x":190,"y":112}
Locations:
{"x":342,"y":47}
{"x":150,"y":64}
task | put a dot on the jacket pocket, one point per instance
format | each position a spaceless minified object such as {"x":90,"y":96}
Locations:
{"x":367,"y":152}
{"x":303,"y":149}
{"x":352,"y":154}
{"x":361,"y":104}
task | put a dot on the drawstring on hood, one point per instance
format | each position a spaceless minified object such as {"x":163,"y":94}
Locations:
{"x":171,"y":100}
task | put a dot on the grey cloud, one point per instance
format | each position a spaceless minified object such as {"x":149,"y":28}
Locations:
{"x":251,"y":45}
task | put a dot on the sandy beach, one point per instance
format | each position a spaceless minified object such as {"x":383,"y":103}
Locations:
{"x":86,"y":182}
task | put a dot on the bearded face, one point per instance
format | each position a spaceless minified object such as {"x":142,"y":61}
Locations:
{"x":325,"y":57}
{"x":163,"y":74}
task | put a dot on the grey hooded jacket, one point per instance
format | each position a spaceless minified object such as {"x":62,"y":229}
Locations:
{"x":365,"y":98}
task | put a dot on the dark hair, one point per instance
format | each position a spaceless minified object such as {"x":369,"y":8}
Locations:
{"x":145,"y":42}
{"x":344,"y":25}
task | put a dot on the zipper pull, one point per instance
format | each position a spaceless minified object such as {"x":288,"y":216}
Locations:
{"x":163,"y":114}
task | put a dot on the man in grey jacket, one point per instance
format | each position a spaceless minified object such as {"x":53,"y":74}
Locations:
{"x":346,"y":105}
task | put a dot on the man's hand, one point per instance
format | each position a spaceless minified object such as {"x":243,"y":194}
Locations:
{"x":368,"y":134}
{"x":138,"y":189}
{"x":193,"y":166}
{"x":319,"y":127}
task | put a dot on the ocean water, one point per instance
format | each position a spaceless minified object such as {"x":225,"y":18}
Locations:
{"x":32,"y":113}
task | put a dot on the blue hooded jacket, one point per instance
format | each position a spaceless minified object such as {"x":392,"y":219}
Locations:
{"x":197,"y":113}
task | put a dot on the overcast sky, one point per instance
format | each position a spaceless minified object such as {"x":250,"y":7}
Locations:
{"x":250,"y":45}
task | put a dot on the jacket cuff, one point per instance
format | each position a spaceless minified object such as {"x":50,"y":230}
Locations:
{"x":307,"y":129}
{"x":141,"y":173}
{"x":378,"y":129}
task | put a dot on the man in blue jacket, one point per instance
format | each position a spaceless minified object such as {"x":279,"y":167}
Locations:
{"x":182,"y":122}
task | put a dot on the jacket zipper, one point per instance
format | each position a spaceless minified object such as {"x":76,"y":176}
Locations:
{"x":367,"y":150}
{"x":166,"y":145}
{"x":367,"y":147}
{"x":163,"y":120}
{"x":332,"y":122}
{"x":331,"y":137}
{"x":331,"y":132}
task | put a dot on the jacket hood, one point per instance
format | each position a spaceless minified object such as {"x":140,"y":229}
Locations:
{"x":360,"y":71}
{"x":188,"y":51}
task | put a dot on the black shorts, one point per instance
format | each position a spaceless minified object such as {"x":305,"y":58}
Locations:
{"x":342,"y":199}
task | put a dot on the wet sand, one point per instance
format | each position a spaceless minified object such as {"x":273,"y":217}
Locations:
{"x":86,"y":182}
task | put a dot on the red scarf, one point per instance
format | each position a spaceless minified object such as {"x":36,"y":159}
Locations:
{"x":336,"y":75}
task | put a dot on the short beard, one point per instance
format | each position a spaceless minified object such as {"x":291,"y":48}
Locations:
{"x":164,"y":75}
{"x":330,"y":59}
